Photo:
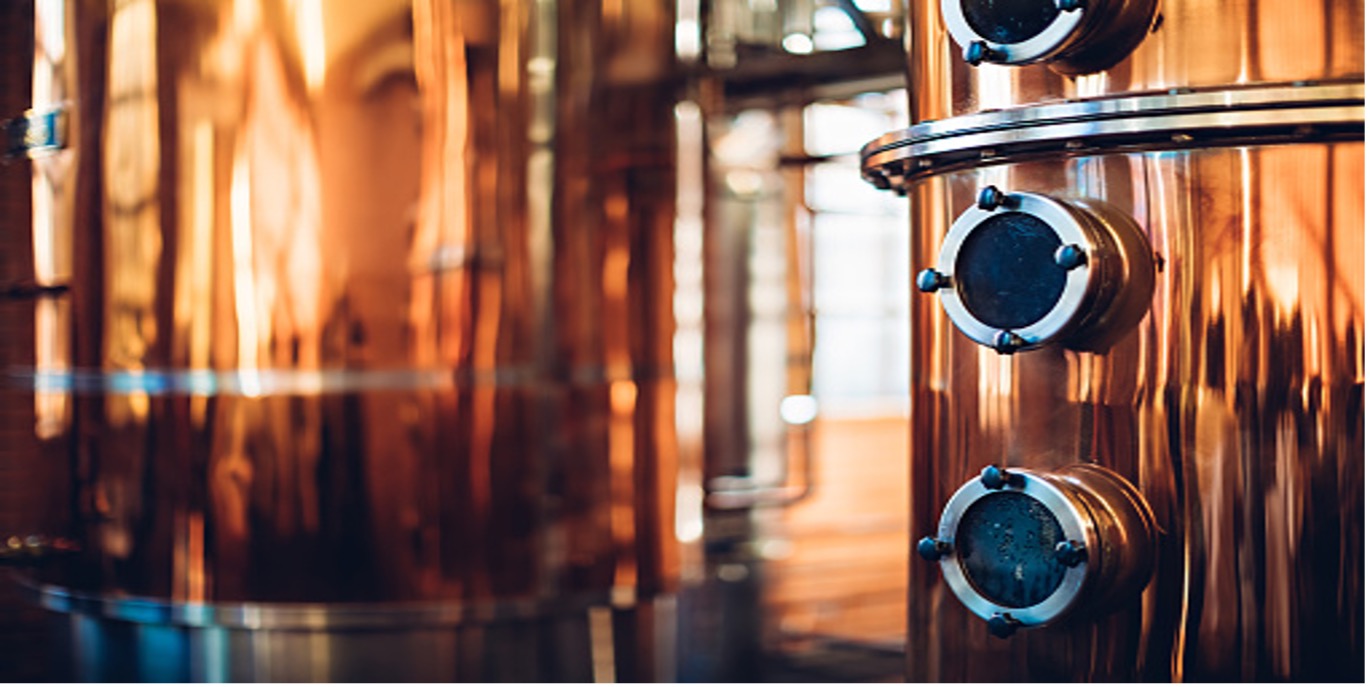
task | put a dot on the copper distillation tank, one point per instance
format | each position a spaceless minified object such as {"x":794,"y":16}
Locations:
{"x":1138,"y":377}
{"x":352,"y":333}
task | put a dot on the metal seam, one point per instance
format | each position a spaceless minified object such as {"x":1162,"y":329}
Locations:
{"x":910,"y":162}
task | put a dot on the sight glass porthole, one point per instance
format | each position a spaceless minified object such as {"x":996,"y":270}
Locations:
{"x":1020,"y":271}
{"x":1031,"y":548}
{"x":1073,"y":36}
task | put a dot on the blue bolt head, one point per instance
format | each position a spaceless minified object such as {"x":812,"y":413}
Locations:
{"x":1002,"y":625}
{"x":978,"y":52}
{"x":990,"y":198}
{"x":1070,"y":256}
{"x":1007,"y":342}
{"x":995,"y":477}
{"x":930,"y":280}
{"x":1070,"y":554}
{"x":931,"y":549}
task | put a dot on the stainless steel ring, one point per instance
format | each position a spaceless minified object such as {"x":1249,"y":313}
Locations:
{"x":1074,"y":526}
{"x":1069,"y":226}
{"x":1145,"y":122}
{"x":311,"y":616}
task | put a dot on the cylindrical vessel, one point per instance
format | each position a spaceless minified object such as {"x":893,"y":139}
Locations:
{"x":1181,"y":44}
{"x":361,"y":345}
{"x":1228,"y":391}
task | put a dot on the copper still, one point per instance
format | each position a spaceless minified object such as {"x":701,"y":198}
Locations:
{"x":1138,"y":377}
{"x":352,"y":322}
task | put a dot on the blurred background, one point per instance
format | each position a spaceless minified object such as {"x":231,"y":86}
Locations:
{"x":789,"y":294}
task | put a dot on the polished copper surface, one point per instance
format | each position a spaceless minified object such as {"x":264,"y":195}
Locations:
{"x":31,"y":479}
{"x":374,"y":295}
{"x":1235,"y":406}
{"x":1189,"y":45}
{"x":1125,"y":534}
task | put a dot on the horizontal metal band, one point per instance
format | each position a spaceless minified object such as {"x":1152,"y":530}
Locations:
{"x":1164,"y":121}
{"x":307,"y":616}
{"x":275,"y":382}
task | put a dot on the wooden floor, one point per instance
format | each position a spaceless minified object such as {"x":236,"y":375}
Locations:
{"x":836,"y":563}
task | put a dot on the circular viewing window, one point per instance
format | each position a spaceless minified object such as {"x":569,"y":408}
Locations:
{"x":1019,"y":271}
{"x":1009,"y":21}
{"x":1072,"y":36}
{"x":1006,"y":271}
{"x":1022,"y":548}
{"x":1007,"y":543}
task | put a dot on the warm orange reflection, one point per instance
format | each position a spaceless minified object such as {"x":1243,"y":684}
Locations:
{"x":1190,"y":45}
{"x":838,"y":561}
{"x":1236,"y":407}
{"x":362,"y":321}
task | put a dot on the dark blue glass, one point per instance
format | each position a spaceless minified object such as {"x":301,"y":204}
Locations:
{"x":1007,"y":545}
{"x":1006,"y":271}
{"x":1009,"y":21}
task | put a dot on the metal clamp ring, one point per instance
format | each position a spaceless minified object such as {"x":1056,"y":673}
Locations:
{"x":1074,"y":526}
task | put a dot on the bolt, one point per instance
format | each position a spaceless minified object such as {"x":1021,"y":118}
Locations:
{"x":1006,"y":342}
{"x":1003,"y":625}
{"x":1069,"y":5}
{"x":933,"y":549}
{"x":1070,"y":553}
{"x":1070,"y":256}
{"x":994,"y":477}
{"x":930,"y":280}
{"x":991,"y":198}
{"x":979,"y":51}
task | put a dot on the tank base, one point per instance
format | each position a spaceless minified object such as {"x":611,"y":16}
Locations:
{"x":139,"y":640}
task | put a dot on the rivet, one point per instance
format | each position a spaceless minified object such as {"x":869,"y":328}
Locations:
{"x":990,"y":198}
{"x":979,"y":51}
{"x":932,"y":549}
{"x":1003,"y":625}
{"x":995,"y":478}
{"x":1006,"y":342}
{"x":1070,"y":256}
{"x":930,"y":280}
{"x":1070,"y":554}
